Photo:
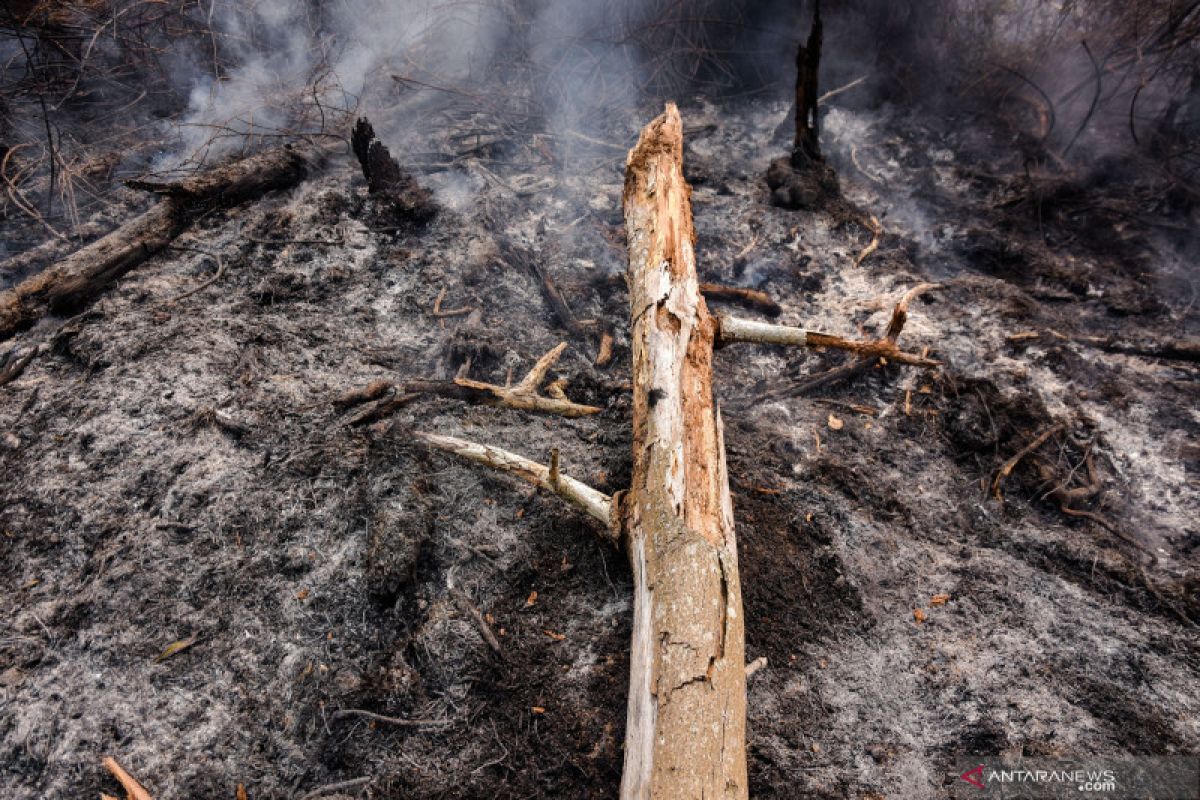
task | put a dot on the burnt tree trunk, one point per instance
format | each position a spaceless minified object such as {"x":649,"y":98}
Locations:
{"x":807,"y":145}
{"x":80,"y":276}
{"x":685,"y":733}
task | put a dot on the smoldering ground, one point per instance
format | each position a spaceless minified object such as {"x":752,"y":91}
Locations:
{"x":177,"y":468}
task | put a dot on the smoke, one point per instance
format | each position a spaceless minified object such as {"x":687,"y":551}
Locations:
{"x":297,"y":67}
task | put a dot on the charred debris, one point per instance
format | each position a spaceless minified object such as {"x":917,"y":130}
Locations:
{"x":820,"y":406}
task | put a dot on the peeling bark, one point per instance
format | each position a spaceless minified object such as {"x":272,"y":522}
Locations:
{"x":685,"y":733}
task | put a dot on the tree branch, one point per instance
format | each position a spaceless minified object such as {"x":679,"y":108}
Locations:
{"x":594,"y":503}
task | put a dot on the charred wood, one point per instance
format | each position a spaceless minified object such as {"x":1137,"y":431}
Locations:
{"x":78,"y":278}
{"x":386,"y":179}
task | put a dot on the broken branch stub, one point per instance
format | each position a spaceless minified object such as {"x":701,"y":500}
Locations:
{"x":685,"y":731}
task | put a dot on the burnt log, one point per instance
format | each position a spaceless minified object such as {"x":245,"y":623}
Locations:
{"x":78,"y":278}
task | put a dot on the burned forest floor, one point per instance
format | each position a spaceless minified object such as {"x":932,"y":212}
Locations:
{"x":175,"y":469}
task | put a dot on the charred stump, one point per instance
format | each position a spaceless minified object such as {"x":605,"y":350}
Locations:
{"x":803,"y":180}
{"x":806,"y":146}
{"x":387,"y":180}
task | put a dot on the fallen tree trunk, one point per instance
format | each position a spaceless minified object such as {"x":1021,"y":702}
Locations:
{"x":685,"y":735}
{"x":82,"y":275}
{"x":685,"y":732}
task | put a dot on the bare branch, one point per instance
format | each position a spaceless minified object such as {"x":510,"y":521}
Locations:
{"x":733,"y":330}
{"x":594,"y":503}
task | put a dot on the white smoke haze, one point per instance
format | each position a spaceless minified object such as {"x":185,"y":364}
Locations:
{"x":298,"y":67}
{"x":1081,"y":77}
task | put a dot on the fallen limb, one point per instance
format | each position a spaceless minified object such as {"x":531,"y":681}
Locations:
{"x":595,"y":504}
{"x":732,"y":330}
{"x":686,"y":720}
{"x":81,"y":276}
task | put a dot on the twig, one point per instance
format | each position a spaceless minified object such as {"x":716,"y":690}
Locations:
{"x":740,"y":330}
{"x":1008,"y":466}
{"x":382,"y":408}
{"x":869,"y":352}
{"x":739,"y":294}
{"x":372,"y":391}
{"x":549,"y":290}
{"x":524,"y":396}
{"x":456,"y":312}
{"x":16,"y":366}
{"x":755,"y":665}
{"x":605,"y":354}
{"x":354,"y":783}
{"x":484,"y":629}
{"x":876,"y":230}
{"x":861,"y":168}
{"x":220,"y":273}
{"x":134,"y":789}
{"x":345,"y":713}
{"x":331,"y":243}
{"x":832,"y":93}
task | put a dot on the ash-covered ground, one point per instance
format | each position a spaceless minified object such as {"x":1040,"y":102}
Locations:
{"x":175,"y":467}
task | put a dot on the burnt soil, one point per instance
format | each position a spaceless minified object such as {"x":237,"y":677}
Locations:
{"x":178,"y":469}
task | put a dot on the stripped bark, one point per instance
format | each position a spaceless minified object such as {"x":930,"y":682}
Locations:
{"x":81,"y":276}
{"x":685,"y":732}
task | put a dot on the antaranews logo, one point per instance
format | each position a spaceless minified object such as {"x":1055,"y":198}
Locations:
{"x":1163,"y":778}
{"x":974,"y":776}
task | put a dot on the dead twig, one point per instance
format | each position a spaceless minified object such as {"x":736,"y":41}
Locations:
{"x":739,"y":330}
{"x":1008,"y":466}
{"x":524,"y":396}
{"x":605,"y":353}
{"x":220,"y":273}
{"x":341,"y":786}
{"x":15,"y":366}
{"x":876,"y":231}
{"x":346,"y":713}
{"x":134,"y":789}
{"x":455,"y":312}
{"x":753,"y":298}
{"x":755,"y":665}
{"x":485,"y":629}
{"x":554,"y":298}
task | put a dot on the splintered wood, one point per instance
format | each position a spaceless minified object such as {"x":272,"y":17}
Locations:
{"x":685,"y":732}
